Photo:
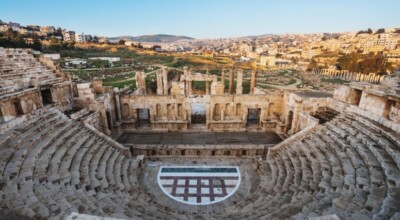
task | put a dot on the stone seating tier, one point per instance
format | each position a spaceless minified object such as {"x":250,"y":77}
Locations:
{"x":51,"y":166}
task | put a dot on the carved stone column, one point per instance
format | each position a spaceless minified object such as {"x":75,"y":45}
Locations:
{"x":239,"y":82}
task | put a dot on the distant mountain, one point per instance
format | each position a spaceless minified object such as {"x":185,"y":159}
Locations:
{"x":156,"y":38}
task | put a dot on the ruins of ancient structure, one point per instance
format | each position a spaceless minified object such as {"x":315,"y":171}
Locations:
{"x":285,"y":154}
{"x":346,"y":75}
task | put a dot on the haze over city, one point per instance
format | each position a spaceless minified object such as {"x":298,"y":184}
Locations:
{"x":204,"y":19}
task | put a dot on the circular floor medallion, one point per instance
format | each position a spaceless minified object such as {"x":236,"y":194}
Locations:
{"x":199,"y":185}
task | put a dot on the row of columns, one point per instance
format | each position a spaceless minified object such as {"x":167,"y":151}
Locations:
{"x":239,"y":81}
{"x":346,"y":75}
{"x":162,"y":82}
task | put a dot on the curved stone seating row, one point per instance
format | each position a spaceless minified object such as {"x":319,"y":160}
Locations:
{"x":19,"y":67}
{"x":52,"y":167}
{"x":347,"y":167}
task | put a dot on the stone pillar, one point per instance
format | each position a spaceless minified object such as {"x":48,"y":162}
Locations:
{"x":185,"y":70}
{"x":223,"y":76}
{"x":144,"y":86}
{"x":160,"y":89}
{"x":190,"y":87}
{"x":239,"y":79}
{"x":118,"y":106}
{"x":165,"y":80}
{"x":231,"y":78}
{"x":207,"y":87}
{"x":253,"y":81}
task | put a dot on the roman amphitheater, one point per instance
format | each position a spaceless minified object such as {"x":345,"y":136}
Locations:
{"x":72,"y":150}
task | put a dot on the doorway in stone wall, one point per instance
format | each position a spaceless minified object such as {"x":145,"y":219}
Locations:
{"x":198,"y":115}
{"x":143,"y":117}
{"x":253,"y":117}
{"x":46,"y":96}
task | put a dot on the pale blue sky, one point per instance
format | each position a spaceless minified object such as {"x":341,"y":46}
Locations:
{"x":204,"y":18}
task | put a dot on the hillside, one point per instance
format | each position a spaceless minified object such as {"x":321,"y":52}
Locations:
{"x":157,"y":38}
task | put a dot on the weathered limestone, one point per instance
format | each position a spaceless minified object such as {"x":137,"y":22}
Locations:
{"x":177,"y":88}
{"x":85,"y":92}
{"x":346,"y":75}
{"x":253,"y":81}
{"x":342,"y":156}
{"x":347,"y":95}
{"x":223,"y":76}
{"x":141,"y":83}
{"x":239,"y":80}
{"x":165,"y":80}
{"x":231,"y":79}
{"x":217,"y":88}
{"x":160,"y":87}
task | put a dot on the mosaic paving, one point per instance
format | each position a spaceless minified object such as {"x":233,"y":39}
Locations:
{"x":199,"y":185}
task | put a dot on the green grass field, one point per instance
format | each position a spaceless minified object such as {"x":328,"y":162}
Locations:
{"x":130,"y":83}
{"x":335,"y":80}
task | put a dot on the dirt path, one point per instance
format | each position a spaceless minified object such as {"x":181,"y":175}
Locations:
{"x":291,"y":86}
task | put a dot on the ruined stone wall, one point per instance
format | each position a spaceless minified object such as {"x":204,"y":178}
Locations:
{"x":231,"y":112}
{"x":19,"y":104}
{"x":394,"y":113}
{"x":62,"y":95}
{"x":178,"y":88}
{"x":166,"y":112}
{"x":94,"y":120}
{"x":348,"y":95}
{"x":377,"y":104}
{"x":297,"y":105}
{"x":223,"y":112}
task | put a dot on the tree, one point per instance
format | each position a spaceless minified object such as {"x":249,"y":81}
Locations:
{"x":121,"y":42}
{"x":313,"y":64}
{"x":359,"y":63}
{"x":369,"y":31}
{"x":14,"y":39}
{"x":380,"y":31}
